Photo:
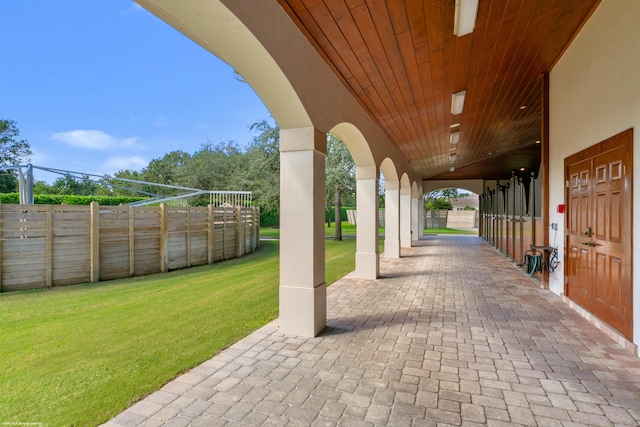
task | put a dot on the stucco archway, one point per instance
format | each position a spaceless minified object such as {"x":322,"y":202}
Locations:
{"x":307,"y":100}
{"x":391,"y":209}
{"x":367,"y":256}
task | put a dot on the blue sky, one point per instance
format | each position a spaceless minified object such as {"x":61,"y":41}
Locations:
{"x":97,"y":86}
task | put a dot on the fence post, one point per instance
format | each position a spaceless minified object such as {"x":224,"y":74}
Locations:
{"x":164,"y":238}
{"x":188,"y":238}
{"x":253,"y":229}
{"x":210,"y":236}
{"x":49,"y":247}
{"x":239,"y":251}
{"x":132,"y":241}
{"x":95,"y":242}
{"x":257,"y":226}
{"x":224,"y":233}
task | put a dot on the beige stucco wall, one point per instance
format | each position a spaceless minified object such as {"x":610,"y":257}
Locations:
{"x":474,"y":185}
{"x":595,"y":94}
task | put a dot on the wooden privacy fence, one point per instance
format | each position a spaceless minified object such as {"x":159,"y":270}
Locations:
{"x":51,"y":245}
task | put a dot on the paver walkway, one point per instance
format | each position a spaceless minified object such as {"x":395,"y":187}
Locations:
{"x":452,"y":334}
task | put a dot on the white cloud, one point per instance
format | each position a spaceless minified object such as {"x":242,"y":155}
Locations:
{"x":117,"y":163}
{"x":94,"y":140}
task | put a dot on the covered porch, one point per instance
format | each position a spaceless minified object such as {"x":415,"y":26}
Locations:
{"x":452,"y":333}
{"x":437,"y":94}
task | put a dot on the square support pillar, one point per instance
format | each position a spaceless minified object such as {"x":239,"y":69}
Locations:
{"x":405,"y":217}
{"x":303,"y":294}
{"x":367,"y":252}
{"x":392,"y":219}
{"x":420,"y":213}
{"x":420,"y":217}
{"x":415,"y":227}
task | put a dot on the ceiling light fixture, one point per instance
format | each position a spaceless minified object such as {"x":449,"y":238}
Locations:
{"x":464,"y":20}
{"x":454,"y":137}
{"x":457,"y":102}
{"x":537,"y":141}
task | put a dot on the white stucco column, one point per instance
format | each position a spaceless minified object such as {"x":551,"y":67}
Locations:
{"x":367,"y":253}
{"x":303,"y":294}
{"x":405,"y":217}
{"x":392,"y":219}
{"x":420,"y":215}
{"x":415,"y":208}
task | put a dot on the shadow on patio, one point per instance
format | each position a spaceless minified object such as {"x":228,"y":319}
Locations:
{"x":453,"y":334}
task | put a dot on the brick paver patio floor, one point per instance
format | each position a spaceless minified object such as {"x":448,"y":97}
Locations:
{"x":452,"y":334}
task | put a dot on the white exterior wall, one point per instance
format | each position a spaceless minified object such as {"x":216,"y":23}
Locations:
{"x":595,"y":94}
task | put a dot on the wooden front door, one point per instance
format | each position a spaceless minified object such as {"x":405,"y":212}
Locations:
{"x":599,"y":223}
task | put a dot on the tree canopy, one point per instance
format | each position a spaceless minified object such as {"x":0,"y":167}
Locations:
{"x":13,"y":151}
{"x":222,"y":166}
{"x":441,"y":199}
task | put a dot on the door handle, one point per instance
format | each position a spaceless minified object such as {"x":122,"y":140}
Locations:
{"x":592,"y":244}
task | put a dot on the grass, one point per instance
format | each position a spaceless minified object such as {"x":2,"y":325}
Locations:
{"x":81,"y":354}
{"x":349,"y":230}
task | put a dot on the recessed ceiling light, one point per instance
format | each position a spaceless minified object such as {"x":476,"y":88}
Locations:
{"x":523,"y":107}
{"x":464,"y":20}
{"x":455,"y":125}
{"x":457,"y":102}
{"x":537,"y":141}
{"x":452,"y":168}
{"x":522,"y":169}
{"x":454,"y":137}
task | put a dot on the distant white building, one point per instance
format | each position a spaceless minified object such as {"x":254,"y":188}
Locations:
{"x":471,"y":201}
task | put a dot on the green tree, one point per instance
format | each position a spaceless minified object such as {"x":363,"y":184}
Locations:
{"x":72,"y":186}
{"x":441,"y":199}
{"x":41,"y":187}
{"x":438,"y":204}
{"x":263,"y":165}
{"x":340,"y":179}
{"x":214,"y":167}
{"x":124,"y":188}
{"x":165,"y":170}
{"x":13,"y":151}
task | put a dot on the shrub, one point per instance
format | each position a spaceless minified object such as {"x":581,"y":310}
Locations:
{"x":57,"y":199}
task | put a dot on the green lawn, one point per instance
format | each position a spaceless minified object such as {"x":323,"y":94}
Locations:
{"x":347,"y":231}
{"x":350,"y":231}
{"x":81,"y":354}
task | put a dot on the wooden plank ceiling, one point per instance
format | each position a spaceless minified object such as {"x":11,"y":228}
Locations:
{"x":402,"y":61}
